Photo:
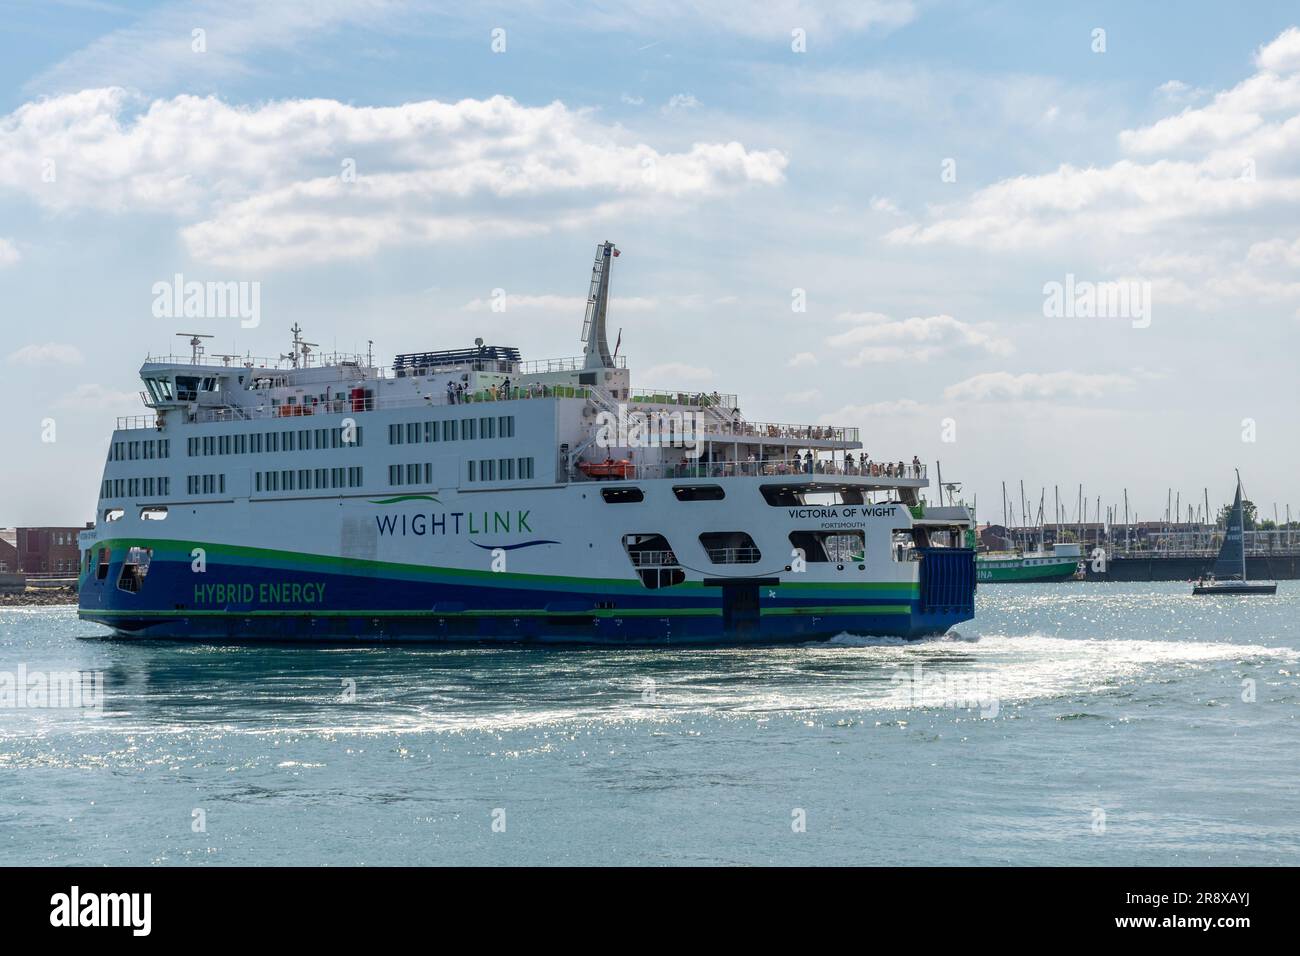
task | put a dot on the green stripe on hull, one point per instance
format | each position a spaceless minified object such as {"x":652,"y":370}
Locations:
{"x":994,"y":572}
{"x":180,"y":551}
{"x":827,"y":610}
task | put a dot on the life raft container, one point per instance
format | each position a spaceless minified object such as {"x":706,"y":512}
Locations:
{"x":609,"y":468}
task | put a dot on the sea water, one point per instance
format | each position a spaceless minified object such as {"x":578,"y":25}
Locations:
{"x":1076,"y":723}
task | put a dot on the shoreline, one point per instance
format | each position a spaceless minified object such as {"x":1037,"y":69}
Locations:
{"x":39,"y":597}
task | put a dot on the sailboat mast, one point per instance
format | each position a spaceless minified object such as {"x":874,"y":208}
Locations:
{"x":1241,"y":498}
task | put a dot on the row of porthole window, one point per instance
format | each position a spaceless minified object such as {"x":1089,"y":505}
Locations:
{"x":272,"y":442}
{"x":452,"y":429}
{"x":628,"y":494}
{"x":144,"y":450}
{"x":149,"y":487}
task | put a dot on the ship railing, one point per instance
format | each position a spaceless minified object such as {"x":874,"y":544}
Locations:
{"x":784,"y":432}
{"x":653,"y":559}
{"x":734,"y":555}
{"x":316,"y":360}
{"x":672,"y":396}
{"x":126,"y":423}
{"x":343,"y":404}
{"x":569,"y":364}
{"x":887,"y":473}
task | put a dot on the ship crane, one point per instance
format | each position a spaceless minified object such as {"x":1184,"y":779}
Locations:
{"x":595,"y":340}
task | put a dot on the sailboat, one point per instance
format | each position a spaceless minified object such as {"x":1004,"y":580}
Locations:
{"x":1229,"y":574}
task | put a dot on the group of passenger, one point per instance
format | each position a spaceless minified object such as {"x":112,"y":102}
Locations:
{"x":806,"y":463}
{"x":459,"y":393}
{"x":738,"y":426}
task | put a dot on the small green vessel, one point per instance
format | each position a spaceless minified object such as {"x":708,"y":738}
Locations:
{"x":1059,"y":563}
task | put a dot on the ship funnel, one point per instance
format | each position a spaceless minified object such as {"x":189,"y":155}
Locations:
{"x":596,"y":342}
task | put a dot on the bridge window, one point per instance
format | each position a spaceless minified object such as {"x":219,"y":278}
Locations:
{"x":833,"y":547}
{"x":187,"y":388}
{"x":730,"y":547}
{"x":621,"y":496}
{"x":699,"y":492}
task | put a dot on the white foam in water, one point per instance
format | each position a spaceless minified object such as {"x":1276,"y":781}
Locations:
{"x":845,"y":639}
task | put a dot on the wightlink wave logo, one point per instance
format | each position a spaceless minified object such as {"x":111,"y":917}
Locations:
{"x":74,"y":908}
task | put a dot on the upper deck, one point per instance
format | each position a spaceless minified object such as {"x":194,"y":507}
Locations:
{"x":582,"y":418}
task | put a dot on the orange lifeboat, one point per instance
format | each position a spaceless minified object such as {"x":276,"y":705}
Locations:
{"x":609,"y":468}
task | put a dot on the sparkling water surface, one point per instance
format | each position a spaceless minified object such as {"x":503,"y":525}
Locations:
{"x":1076,"y":723}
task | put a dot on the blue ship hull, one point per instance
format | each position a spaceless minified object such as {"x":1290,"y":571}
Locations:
{"x":275,"y":596}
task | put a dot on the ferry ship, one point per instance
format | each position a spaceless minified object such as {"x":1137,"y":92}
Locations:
{"x":467,"y":495}
{"x":1057,"y":562}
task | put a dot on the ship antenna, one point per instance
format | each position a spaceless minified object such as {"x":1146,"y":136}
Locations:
{"x":196,"y":344}
{"x":297,"y":343}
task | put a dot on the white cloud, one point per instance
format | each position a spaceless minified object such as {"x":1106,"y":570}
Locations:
{"x":759,"y":19}
{"x":8,"y":253}
{"x":156,"y":52}
{"x":158,"y":48}
{"x":888,"y":409}
{"x":1176,"y":91}
{"x":632,"y":100}
{"x":50,"y":353}
{"x":804,"y":397}
{"x":1282,"y":55}
{"x":878,"y":338}
{"x":802,"y":360}
{"x":263,"y":186}
{"x":675,"y":374}
{"x":1030,"y":386}
{"x":1229,"y":158}
{"x":1211,"y":183}
{"x":90,"y":395}
{"x":681,"y":101}
{"x":572,"y":304}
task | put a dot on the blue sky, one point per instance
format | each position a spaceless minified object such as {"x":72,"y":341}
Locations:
{"x":732,"y":171}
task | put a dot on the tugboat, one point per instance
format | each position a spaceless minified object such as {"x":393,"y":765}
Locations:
{"x":1229,"y":573}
